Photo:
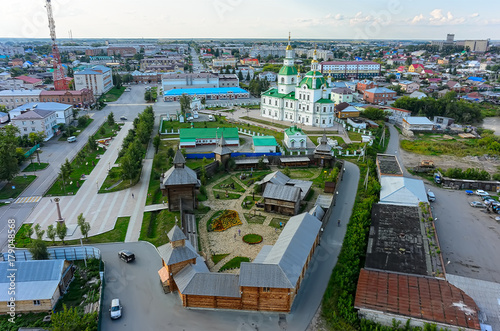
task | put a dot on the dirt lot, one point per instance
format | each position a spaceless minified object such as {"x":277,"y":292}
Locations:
{"x":491,"y":165}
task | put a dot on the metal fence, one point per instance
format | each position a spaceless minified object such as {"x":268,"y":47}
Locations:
{"x":72,"y":253}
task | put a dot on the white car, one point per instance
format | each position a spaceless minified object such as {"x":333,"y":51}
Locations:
{"x":115,"y":310}
{"x":481,"y":192}
{"x":477,"y":204}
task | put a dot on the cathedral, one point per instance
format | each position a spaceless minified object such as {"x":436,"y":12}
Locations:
{"x":299,"y":100}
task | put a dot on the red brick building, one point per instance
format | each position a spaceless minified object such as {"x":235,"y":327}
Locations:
{"x":365,"y":84}
{"x":123,"y":51}
{"x":83,"y":98}
{"x":250,"y":61}
{"x":379,"y":95}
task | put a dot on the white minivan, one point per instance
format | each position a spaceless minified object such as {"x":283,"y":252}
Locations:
{"x":211,"y":118}
{"x":71,"y":139}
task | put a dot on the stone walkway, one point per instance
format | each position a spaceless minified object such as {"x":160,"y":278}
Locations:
{"x":230,"y":241}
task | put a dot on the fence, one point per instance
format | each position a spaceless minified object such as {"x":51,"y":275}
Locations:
{"x":340,"y":177}
{"x":67,"y":253}
{"x":101,"y":299}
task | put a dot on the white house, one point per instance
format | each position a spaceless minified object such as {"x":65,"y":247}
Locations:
{"x":295,"y":138}
{"x":98,"y":79}
{"x":341,"y":94}
{"x":418,"y":95}
{"x":63,"y":111}
{"x":268,"y":75}
{"x":264,"y":144}
{"x":36,"y":120}
{"x":15,"y":98}
{"x":4,"y":117}
{"x":417,"y":124}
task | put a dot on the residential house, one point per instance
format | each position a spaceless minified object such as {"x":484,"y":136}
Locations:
{"x":64,"y":112}
{"x":474,"y":97}
{"x":364,"y":85}
{"x":30,"y":82}
{"x":250,"y":61}
{"x":344,"y":110}
{"x":98,"y":79}
{"x":417,"y":124}
{"x":264,"y":144}
{"x":379,"y":95}
{"x":341,"y":94}
{"x":281,"y":199}
{"x":416,"y":67}
{"x":453,"y":85}
{"x":409,"y":86}
{"x":418,"y":95}
{"x":228,"y":80}
{"x":123,"y":51}
{"x":179,"y":184}
{"x":39,"y":285}
{"x":441,"y":122}
{"x":224,"y":62}
{"x":267,"y":75}
{"x":36,"y":120}
{"x":15,"y":98}
{"x":4,"y":117}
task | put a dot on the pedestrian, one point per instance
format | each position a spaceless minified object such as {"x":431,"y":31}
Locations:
{"x":338,"y":222}
{"x":163,"y":202}
{"x":50,"y":200}
{"x":239,"y":232}
{"x":235,"y":236}
{"x":132,"y":195}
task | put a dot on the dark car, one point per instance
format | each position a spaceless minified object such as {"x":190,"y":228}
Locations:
{"x":126,"y":256}
{"x":123,"y":118}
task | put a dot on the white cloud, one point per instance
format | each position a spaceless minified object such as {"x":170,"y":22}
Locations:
{"x":417,"y":19}
{"x":437,"y":17}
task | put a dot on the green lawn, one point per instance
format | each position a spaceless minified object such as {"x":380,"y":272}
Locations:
{"x":228,"y":184}
{"x":19,"y":183}
{"x":234,"y":263}
{"x":268,"y":123}
{"x":340,"y":140}
{"x":302,"y":173}
{"x":252,"y":238}
{"x":79,"y":130}
{"x":257,"y":219}
{"x":116,"y":235}
{"x":275,"y":222}
{"x":250,"y":201}
{"x":35,"y":167}
{"x":114,"y":177}
{"x":109,"y":131}
{"x":355,"y":136}
{"x":74,"y":182}
{"x":222,"y":195}
{"x":31,"y":320}
{"x":156,"y":225}
{"x":113,"y":94}
{"x":197,"y":163}
{"x":216,"y":258}
{"x":256,"y":176}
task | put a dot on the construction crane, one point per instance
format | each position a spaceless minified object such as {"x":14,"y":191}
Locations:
{"x":61,"y":82}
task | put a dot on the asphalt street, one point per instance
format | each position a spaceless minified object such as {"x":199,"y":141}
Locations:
{"x":146,"y":307}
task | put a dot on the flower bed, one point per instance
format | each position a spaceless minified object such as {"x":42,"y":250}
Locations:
{"x":228,"y":219}
{"x":252,"y":238}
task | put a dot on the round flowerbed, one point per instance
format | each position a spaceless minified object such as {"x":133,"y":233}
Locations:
{"x":252,"y":238}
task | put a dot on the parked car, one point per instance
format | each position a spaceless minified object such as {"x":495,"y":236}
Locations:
{"x":115,"y":310}
{"x":477,"y":204}
{"x":481,"y":192}
{"x":431,"y":196}
{"x":72,"y":139}
{"x":127,"y":89}
{"x":123,"y":118}
{"x":211,"y":118}
{"x":126,"y":256}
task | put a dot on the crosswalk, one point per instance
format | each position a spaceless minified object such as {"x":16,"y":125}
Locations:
{"x":28,"y":199}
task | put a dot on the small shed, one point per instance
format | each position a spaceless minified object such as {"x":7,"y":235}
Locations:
{"x":264,"y":144}
{"x":282,"y":199}
{"x":296,"y":161}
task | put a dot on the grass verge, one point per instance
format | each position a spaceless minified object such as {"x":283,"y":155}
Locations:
{"x":35,"y":167}
{"x":234,"y":263}
{"x":12,"y":189}
{"x":275,"y":222}
{"x":156,"y":225}
{"x":216,"y":258}
{"x":257,"y":219}
{"x":113,"y":94}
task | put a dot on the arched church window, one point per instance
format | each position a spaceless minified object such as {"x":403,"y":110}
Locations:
{"x":282,"y":80}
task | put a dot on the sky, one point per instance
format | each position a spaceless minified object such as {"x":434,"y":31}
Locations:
{"x":313,"y":19}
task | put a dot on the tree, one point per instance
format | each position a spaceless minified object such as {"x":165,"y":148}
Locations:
{"x":111,"y":119}
{"x":38,"y":250}
{"x":185,"y":102}
{"x":61,"y":230}
{"x":9,"y":142}
{"x":156,"y":142}
{"x":409,"y":61}
{"x":29,"y":231}
{"x":51,"y":233}
{"x":91,"y":144}
{"x":84,"y":226}
{"x":74,"y":113}
{"x":240,"y":76}
{"x":39,"y":232}
{"x":71,"y":320}
{"x":36,"y":137}
{"x":286,"y":171}
{"x":128,"y":168}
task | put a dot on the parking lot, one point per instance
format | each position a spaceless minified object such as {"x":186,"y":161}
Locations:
{"x":469,"y":237}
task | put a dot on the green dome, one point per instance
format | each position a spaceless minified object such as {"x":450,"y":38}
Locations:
{"x":314,"y":80}
{"x":287,"y":71}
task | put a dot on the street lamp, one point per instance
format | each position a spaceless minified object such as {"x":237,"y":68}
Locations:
{"x":335,"y":198}
{"x":83,"y":252}
{"x":97,"y":184}
{"x":87,"y":164}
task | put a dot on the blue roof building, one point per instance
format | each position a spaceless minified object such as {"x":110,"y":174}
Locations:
{"x":213,"y":93}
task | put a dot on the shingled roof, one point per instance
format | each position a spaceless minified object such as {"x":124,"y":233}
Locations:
{"x":417,"y":297}
{"x":176,"y":234}
{"x":172,"y":255}
{"x":282,"y":192}
{"x":179,"y":174}
{"x":222,"y":148}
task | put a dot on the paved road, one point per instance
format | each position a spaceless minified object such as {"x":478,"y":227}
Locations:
{"x":55,"y":152}
{"x":146,"y":307}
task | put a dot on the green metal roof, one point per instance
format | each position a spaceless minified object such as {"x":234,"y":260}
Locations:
{"x":314,"y":80}
{"x":293,"y":130}
{"x":208,"y":133}
{"x":324,"y":101}
{"x":287,"y":71}
{"x":274,"y":93}
{"x":291,"y":96}
{"x":264,"y":141}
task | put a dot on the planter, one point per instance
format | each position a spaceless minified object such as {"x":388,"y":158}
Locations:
{"x":252,"y":239}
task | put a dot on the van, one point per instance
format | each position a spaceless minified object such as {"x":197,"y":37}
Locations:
{"x":72,"y":139}
{"x":115,"y":310}
{"x":126,"y":256}
{"x":431,"y":196}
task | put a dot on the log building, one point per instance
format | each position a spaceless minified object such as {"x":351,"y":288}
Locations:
{"x":179,"y":184}
{"x":269,"y":283}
